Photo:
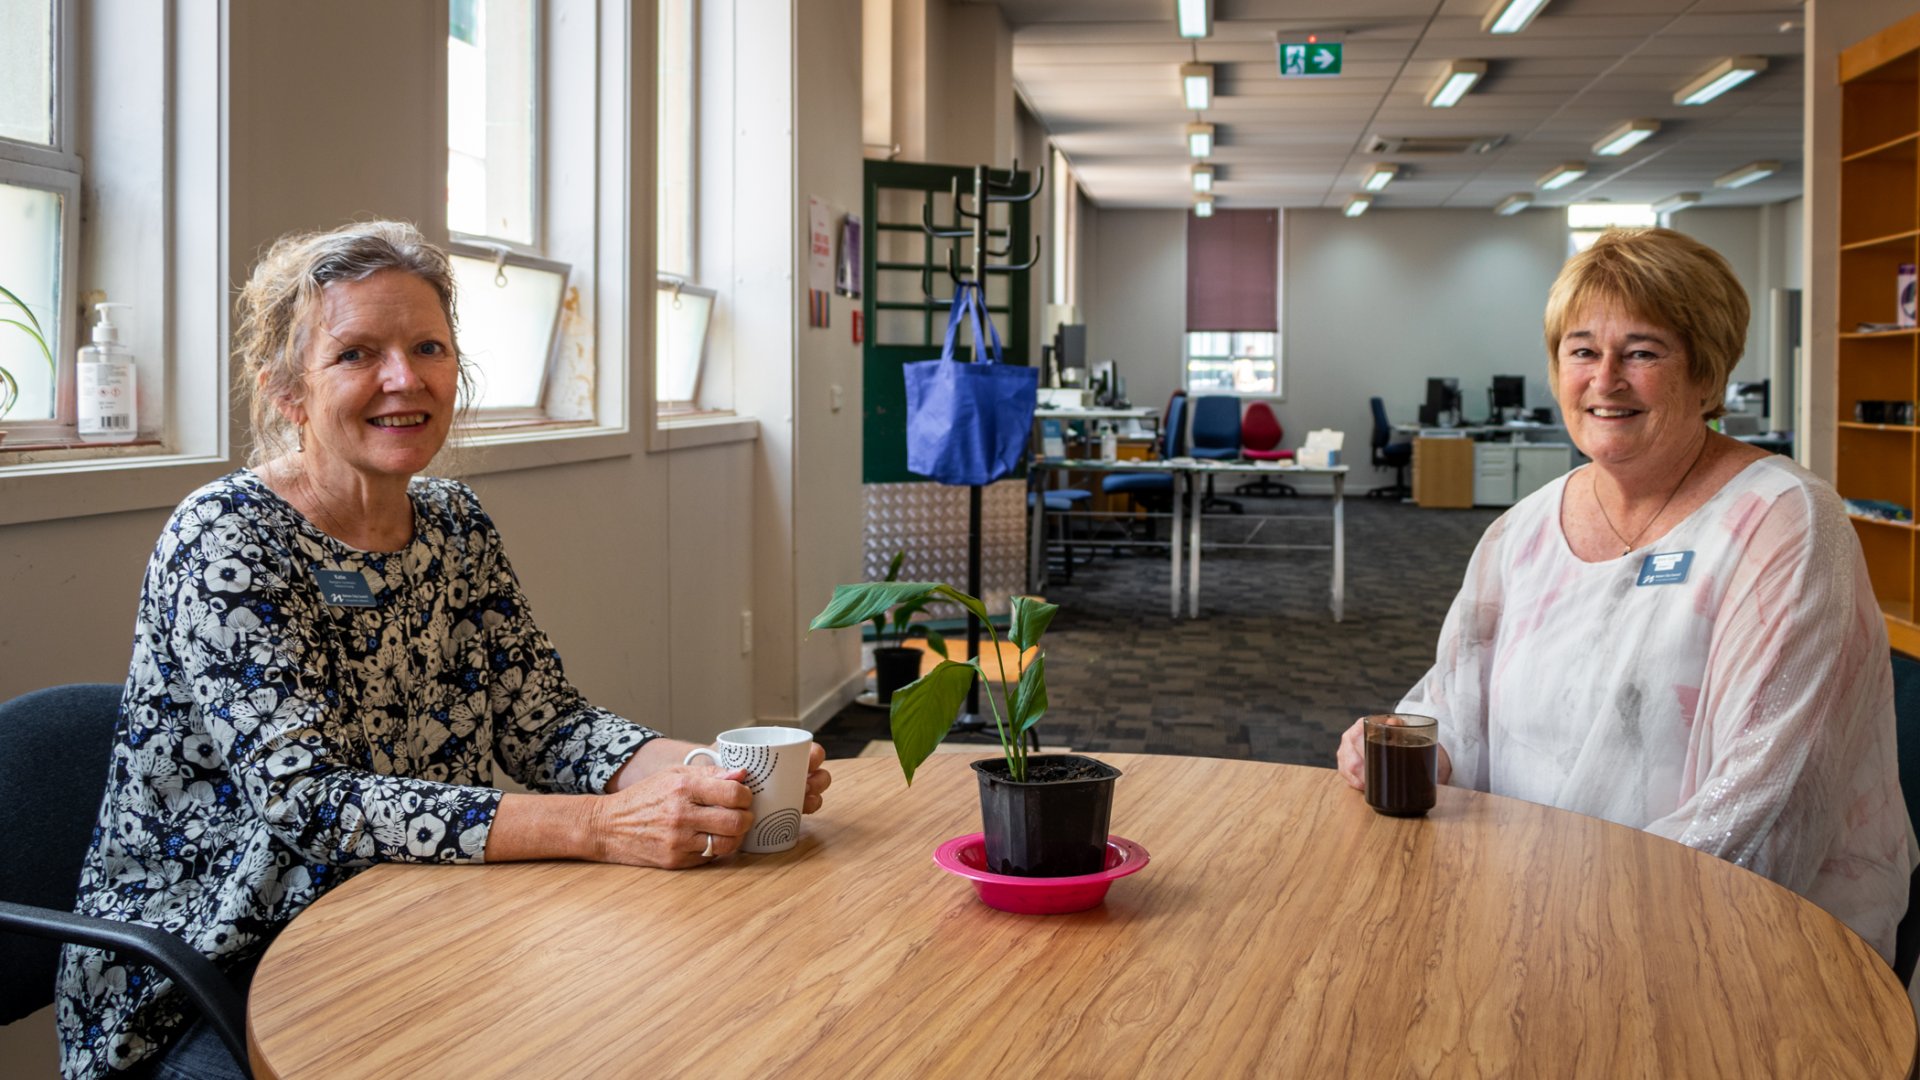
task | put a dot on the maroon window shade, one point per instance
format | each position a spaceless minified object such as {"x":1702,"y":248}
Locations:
{"x":1233,"y":270}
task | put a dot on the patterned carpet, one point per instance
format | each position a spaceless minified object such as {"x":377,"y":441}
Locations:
{"x":1264,"y":673}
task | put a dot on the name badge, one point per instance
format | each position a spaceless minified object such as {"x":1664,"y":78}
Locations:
{"x":344,"y":588}
{"x":1665,"y":568}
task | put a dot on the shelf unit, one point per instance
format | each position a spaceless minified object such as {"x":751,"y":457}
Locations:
{"x":1879,"y":231}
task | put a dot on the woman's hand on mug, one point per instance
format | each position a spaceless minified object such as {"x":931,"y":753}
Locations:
{"x":1351,"y":759}
{"x":817,"y":778}
{"x":677,"y":817}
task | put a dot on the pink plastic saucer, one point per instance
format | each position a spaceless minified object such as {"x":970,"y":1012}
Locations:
{"x":966,"y":856}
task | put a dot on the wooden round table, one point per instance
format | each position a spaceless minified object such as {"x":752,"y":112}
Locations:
{"x":1282,"y":929}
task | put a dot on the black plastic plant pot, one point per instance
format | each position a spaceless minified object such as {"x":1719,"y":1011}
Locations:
{"x":893,"y":668}
{"x":1054,"y":824}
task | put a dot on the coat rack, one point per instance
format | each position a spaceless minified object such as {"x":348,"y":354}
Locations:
{"x":986,"y":191}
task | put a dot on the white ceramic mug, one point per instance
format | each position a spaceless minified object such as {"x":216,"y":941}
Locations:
{"x":776,"y":762}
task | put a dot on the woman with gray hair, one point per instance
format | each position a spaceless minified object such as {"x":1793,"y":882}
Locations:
{"x":330,"y":655}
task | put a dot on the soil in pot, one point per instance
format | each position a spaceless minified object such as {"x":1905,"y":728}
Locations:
{"x":1053,"y":824}
{"x":893,"y":668}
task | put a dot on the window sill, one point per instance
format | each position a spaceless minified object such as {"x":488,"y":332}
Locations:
{"x":696,"y":429}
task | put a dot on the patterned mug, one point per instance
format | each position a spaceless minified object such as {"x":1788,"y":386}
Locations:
{"x":776,"y":762}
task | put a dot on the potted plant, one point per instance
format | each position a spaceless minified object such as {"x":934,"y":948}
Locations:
{"x":895,"y":665}
{"x":9,"y":384}
{"x":1043,"y":815}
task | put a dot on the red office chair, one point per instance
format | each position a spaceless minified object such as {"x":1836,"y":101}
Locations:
{"x":1260,"y":435}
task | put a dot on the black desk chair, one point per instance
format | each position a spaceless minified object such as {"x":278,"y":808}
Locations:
{"x":1906,"y":718}
{"x":54,"y":749}
{"x":1388,"y":454}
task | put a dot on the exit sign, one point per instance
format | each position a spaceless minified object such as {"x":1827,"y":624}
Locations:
{"x":1309,"y":59}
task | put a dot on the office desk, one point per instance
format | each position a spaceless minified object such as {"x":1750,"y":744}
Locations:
{"x":1516,"y":432}
{"x":1281,"y":929}
{"x":1186,"y":540}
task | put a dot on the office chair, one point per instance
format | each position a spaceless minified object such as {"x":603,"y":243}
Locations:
{"x":1216,"y":436}
{"x":1154,"y":490}
{"x":1060,"y":501}
{"x":1906,"y":721}
{"x":54,"y":749}
{"x":1388,"y":454}
{"x":1260,"y":435}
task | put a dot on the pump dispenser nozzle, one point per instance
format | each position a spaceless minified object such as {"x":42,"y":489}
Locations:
{"x":105,"y":329}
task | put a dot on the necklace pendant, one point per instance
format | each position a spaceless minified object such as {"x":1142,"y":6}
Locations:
{"x":1626,"y":551}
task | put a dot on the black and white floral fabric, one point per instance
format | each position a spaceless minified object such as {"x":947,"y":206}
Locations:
{"x":272,"y":744}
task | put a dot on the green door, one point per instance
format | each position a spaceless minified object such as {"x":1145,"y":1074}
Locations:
{"x":902,"y":262}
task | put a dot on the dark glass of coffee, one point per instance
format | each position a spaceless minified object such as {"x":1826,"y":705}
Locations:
{"x":1402,"y":763}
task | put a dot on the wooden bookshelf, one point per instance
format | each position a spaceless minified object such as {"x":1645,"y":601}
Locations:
{"x":1880,"y":231}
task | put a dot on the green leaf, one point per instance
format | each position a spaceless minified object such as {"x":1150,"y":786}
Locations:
{"x":1030,"y":700}
{"x":893,"y":568}
{"x":17,"y":302}
{"x":979,"y":609}
{"x":35,"y":335}
{"x":925,"y":709}
{"x":854,"y":604}
{"x":936,"y":642}
{"x":908,"y":610}
{"x":1030,"y":620}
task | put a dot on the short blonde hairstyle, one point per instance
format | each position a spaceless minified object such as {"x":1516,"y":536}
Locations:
{"x":280,"y":299}
{"x":1665,"y":278}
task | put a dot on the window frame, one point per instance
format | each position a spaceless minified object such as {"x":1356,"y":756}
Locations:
{"x":537,"y":138}
{"x":56,"y":167}
{"x":502,"y":256}
{"x":1188,"y":356}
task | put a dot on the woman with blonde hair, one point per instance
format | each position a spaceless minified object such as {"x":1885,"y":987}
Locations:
{"x":1680,"y":636}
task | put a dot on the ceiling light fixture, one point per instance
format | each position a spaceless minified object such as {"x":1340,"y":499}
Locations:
{"x":1747,"y":174}
{"x":1460,"y":77}
{"x":1195,"y":17}
{"x":1357,"y":206}
{"x":1513,"y":204}
{"x":1719,"y":79}
{"x":1202,"y":178}
{"x":1196,"y":81}
{"x":1563,"y":174}
{"x":1676,"y":202}
{"x":1203,"y":206}
{"x":1200,"y":140}
{"x":1511,"y":16}
{"x":1380,"y":176}
{"x":1625,"y":137}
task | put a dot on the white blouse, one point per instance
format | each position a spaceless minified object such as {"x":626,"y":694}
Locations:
{"x":1726,"y":686}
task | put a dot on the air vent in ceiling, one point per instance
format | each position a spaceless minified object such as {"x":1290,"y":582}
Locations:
{"x":1433,"y":144}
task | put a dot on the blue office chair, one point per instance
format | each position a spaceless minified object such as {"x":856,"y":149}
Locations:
{"x":1906,"y":719}
{"x":1388,"y":454}
{"x":54,"y":749}
{"x":1061,"y":501}
{"x":1154,"y":490}
{"x":1216,"y":436}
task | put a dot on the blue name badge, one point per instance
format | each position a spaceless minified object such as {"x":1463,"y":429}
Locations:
{"x":344,"y":588}
{"x":1665,"y":568}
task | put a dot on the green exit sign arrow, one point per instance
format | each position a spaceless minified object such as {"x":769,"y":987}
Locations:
{"x":1309,"y":59}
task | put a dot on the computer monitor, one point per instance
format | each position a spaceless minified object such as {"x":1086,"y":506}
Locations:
{"x":1509,"y":391}
{"x":1070,"y":345}
{"x":1443,"y":395}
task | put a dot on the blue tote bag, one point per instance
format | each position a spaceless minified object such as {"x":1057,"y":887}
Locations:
{"x":969,"y":423}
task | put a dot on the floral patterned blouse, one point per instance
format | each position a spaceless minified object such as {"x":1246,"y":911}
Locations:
{"x":296,"y":710}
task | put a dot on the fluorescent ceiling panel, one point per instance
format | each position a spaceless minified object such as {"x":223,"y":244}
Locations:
{"x":1380,"y":176}
{"x":1195,"y":17}
{"x":1625,"y":137}
{"x":1460,"y":77}
{"x":1357,"y":206}
{"x":1196,"y":82}
{"x":1719,"y":79}
{"x":1513,"y":204}
{"x":1563,"y":174}
{"x":1200,"y":140}
{"x":1202,"y":178}
{"x":1747,"y":174}
{"x":1511,"y":16}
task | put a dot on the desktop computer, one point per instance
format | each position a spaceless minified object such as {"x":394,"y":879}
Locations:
{"x":1443,"y":400}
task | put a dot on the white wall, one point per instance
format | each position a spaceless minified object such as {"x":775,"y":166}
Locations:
{"x":1136,"y":305}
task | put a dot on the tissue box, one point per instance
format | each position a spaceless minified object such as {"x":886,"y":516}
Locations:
{"x":1322,"y":449}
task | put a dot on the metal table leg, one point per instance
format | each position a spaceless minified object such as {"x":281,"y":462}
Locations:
{"x":1178,"y":491}
{"x":1195,"y":510}
{"x":1036,"y":538}
{"x":1339,"y":546}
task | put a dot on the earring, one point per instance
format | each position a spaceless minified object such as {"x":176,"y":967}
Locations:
{"x":300,"y":439}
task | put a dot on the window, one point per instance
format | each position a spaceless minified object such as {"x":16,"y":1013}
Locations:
{"x":511,"y":290}
{"x":684,"y":310}
{"x":40,"y":176}
{"x":1232,"y":362}
{"x":1586,"y":221}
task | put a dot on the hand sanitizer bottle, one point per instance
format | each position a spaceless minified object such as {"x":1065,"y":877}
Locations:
{"x":1109,"y":443}
{"x":105,"y":384}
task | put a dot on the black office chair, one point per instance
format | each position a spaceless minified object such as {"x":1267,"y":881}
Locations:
{"x":1906,"y":718}
{"x":54,"y":749}
{"x":1388,"y":454}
